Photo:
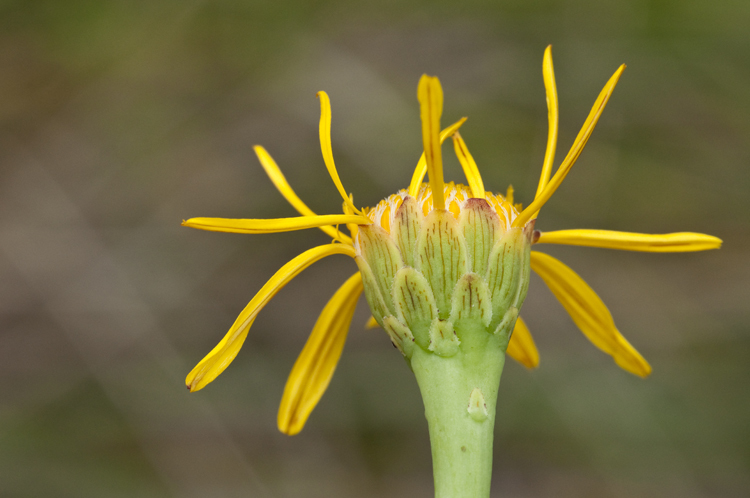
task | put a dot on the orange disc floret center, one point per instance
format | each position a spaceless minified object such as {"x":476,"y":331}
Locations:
{"x":455,"y":196}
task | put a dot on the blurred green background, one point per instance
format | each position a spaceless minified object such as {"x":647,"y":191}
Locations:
{"x":120,"y":119}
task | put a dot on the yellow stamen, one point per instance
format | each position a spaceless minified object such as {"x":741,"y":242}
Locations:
{"x":469,"y":166}
{"x":421,"y":170}
{"x":588,"y":312}
{"x":222,"y":355}
{"x":430,"y":95}
{"x":314,"y":367}
{"x":627,"y":241}
{"x":272,"y":225}
{"x":521,"y":346}
{"x":279,"y":180}
{"x":325,"y":146}
{"x":575,"y":151}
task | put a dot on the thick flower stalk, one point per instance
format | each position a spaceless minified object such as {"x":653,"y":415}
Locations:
{"x":445,"y":270}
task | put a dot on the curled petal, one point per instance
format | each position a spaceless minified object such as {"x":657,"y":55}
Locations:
{"x":327,"y":149}
{"x":314,"y":368}
{"x":421,"y":170}
{"x":279,"y":180}
{"x":469,"y":166}
{"x":521,"y":346}
{"x":575,"y":151}
{"x":273,"y":225}
{"x":550,"y":88}
{"x":430,"y":95}
{"x":588,"y":312}
{"x":222,"y":355}
{"x":628,"y":241}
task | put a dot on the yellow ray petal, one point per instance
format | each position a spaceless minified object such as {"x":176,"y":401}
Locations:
{"x":421,"y":170}
{"x":469,"y":166}
{"x":628,"y":241}
{"x":273,"y":225}
{"x":521,"y":346}
{"x":550,"y":88}
{"x":372,"y":323}
{"x":315,"y":366}
{"x":588,"y":312}
{"x":222,"y":355}
{"x":575,"y":151}
{"x":430,"y":95}
{"x":325,"y":146}
{"x":279,"y":180}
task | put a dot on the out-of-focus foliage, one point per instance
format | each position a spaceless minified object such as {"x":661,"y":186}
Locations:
{"x":119,"y":119}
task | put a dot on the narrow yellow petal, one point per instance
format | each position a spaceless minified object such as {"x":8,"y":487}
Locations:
{"x":279,"y":180}
{"x":222,"y":355}
{"x":372,"y":323}
{"x":273,"y":225}
{"x":325,"y":146}
{"x":469,"y":166}
{"x":421,"y":170}
{"x":509,"y":194}
{"x":588,"y":312}
{"x":575,"y":151}
{"x":430,"y":95}
{"x":668,"y":242}
{"x":314,"y":368}
{"x":550,"y":88}
{"x":521,"y":346}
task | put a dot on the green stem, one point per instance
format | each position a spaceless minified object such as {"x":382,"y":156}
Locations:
{"x":461,"y":438}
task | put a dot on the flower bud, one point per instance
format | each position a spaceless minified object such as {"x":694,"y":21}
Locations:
{"x":434,"y":277}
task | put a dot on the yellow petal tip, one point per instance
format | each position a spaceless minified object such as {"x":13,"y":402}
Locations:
{"x":193,"y":385}
{"x":529,"y":363}
{"x":618,"y":73}
{"x":289,"y":431}
{"x":635,"y":365}
{"x":644,"y":373}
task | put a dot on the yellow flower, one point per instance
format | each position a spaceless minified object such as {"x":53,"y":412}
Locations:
{"x":315,"y":366}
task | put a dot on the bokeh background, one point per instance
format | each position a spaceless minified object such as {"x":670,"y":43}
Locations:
{"x":120,"y":119}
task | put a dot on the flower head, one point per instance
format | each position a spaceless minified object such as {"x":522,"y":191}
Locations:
{"x":436,"y":260}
